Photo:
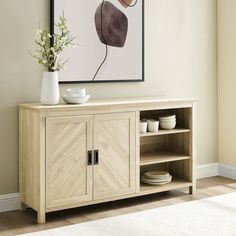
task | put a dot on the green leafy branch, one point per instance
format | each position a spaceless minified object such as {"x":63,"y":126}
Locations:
{"x":48,"y":55}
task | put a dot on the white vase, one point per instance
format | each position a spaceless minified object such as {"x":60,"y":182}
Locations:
{"x":50,"y":94}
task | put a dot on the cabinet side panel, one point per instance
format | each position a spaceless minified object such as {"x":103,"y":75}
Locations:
{"x":192,"y":120}
{"x":29,"y":157}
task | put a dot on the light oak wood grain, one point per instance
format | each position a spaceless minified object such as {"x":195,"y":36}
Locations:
{"x":162,"y":157}
{"x":32,"y":161}
{"x":143,"y":103}
{"x":68,"y":176}
{"x":54,"y":140}
{"x":114,"y":138}
{"x":164,"y":132}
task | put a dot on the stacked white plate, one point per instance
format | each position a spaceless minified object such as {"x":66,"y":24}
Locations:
{"x":75,"y":96}
{"x":156,"y":177}
{"x":167,"y":121}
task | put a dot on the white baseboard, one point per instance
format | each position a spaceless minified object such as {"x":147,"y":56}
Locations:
{"x":227,"y":171}
{"x":207,"y":170}
{"x":10,"y":202}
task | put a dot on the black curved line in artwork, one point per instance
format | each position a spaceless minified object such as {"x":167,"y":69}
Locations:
{"x":112,"y":27}
{"x":106,"y":53}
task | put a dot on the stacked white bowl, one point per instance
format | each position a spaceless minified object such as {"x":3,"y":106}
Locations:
{"x":167,"y":121}
{"x":76,"y":96}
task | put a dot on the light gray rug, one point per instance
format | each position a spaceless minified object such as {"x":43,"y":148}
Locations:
{"x":212,"y":216}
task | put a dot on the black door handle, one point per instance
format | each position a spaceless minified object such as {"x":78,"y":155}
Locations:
{"x":90,"y":158}
{"x":96,"y":157}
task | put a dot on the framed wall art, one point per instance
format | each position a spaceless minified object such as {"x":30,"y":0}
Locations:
{"x":110,"y":37}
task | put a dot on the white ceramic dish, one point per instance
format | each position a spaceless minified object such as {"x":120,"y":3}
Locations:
{"x":167,"y":117}
{"x":171,"y":119}
{"x":75,"y":100}
{"x":168,"y":125}
{"x":143,"y":126}
{"x":157,"y":180}
{"x":153,"y":125}
{"x":155,"y":183}
{"x":156,"y":174}
{"x":76,"y":92}
{"x":146,"y":120}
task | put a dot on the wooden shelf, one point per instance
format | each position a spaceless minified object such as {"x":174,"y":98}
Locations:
{"x":155,"y":158}
{"x":164,"y":132}
{"x":175,"y":184}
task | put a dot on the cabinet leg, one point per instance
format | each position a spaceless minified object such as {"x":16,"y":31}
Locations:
{"x":41,"y":217}
{"x":192,"y":190}
{"x":22,"y":206}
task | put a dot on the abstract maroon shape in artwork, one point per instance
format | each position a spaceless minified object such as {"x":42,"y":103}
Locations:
{"x":111,"y":25}
{"x":125,"y":3}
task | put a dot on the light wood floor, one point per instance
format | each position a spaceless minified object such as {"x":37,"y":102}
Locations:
{"x":18,"y":222}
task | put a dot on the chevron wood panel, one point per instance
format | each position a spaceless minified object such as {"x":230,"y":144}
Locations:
{"x":53,"y":152}
{"x":114,"y":138}
{"x":68,"y":177}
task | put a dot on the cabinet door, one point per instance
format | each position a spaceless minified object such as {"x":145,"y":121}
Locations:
{"x":114,"y":138}
{"x":68,"y":175}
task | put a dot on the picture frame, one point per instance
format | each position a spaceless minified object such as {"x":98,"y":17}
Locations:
{"x":135,"y":71}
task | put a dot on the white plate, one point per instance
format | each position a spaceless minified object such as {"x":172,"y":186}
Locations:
{"x":75,"y":100}
{"x":156,"y":180}
{"x":155,"y":183}
{"x":156,"y":175}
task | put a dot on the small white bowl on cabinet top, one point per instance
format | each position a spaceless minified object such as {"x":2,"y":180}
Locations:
{"x":75,"y":100}
{"x":76,"y":92}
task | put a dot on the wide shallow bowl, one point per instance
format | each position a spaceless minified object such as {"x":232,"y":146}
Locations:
{"x":75,"y":100}
{"x":76,"y":92}
{"x":167,"y":117}
{"x":168,"y":125}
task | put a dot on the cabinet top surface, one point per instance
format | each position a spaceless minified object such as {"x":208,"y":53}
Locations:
{"x":141,"y":101}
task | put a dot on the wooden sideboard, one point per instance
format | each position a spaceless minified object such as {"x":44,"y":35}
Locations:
{"x":77,"y":155}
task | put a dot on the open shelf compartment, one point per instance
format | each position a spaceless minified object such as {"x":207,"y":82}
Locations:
{"x":167,"y":150}
{"x":164,"y":148}
{"x":181,"y":176}
{"x":175,"y":184}
{"x":183,"y":122}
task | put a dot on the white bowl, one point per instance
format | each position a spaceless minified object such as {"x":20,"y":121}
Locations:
{"x":143,"y":126}
{"x":167,"y":117}
{"x":167,"y":125}
{"x":146,"y":120}
{"x":76,"y":92}
{"x":75,"y":100}
{"x":167,"y":121}
{"x":171,"y":120}
{"x":153,"y":125}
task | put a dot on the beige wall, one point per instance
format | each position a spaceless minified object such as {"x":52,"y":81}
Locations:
{"x":180,"y":62}
{"x":227,"y":81}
